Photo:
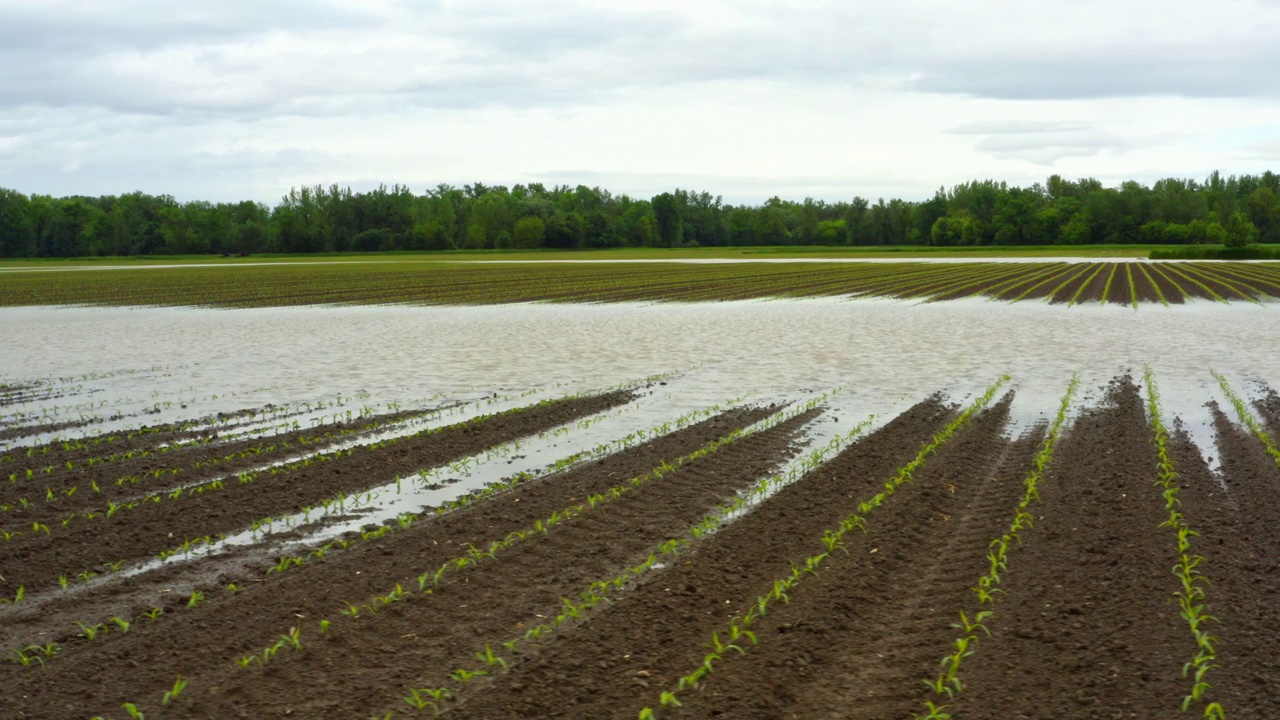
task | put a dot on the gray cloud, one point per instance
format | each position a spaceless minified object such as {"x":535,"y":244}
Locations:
{"x":255,"y":59}
{"x":240,"y":98}
{"x":1043,"y":142}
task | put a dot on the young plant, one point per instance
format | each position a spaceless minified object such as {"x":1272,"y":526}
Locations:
{"x":178,"y":685}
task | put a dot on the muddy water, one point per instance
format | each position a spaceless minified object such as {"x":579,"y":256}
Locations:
{"x":884,"y":354}
{"x":882,"y":350}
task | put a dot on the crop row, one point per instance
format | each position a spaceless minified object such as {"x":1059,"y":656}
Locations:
{"x":403,"y":521}
{"x":481,"y":283}
{"x":571,"y":607}
{"x":399,"y":593}
{"x":246,"y":480}
{"x":948,"y":683}
{"x":733,"y":637}
{"x":1192,"y":583}
{"x":57,"y":485}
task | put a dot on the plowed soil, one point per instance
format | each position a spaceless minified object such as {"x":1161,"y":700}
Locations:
{"x":39,"y":558}
{"x":1085,"y":625}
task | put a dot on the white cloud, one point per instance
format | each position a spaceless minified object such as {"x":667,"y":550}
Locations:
{"x":747,"y":98}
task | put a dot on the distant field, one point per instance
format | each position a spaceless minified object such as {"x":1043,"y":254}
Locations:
{"x":1045,"y":251}
{"x":453,"y":283}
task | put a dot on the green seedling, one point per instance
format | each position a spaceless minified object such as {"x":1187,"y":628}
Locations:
{"x":490,"y":658}
{"x":178,"y":685}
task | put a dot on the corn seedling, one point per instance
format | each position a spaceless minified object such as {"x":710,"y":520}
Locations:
{"x":178,"y":685}
{"x":739,"y":627}
{"x":1191,"y":594}
{"x":489,"y":658}
{"x":422,"y":698}
{"x":948,"y":682}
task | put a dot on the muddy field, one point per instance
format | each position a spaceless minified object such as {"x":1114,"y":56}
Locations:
{"x":746,"y":561}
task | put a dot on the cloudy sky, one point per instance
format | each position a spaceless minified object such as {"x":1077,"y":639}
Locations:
{"x":235,"y":99}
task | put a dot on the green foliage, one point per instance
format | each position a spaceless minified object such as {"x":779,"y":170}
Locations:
{"x":1217,"y":252}
{"x":311,"y":219}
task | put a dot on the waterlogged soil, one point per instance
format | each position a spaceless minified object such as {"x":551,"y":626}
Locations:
{"x":195,"y":642}
{"x":373,"y":662}
{"x":618,"y":660}
{"x":1238,"y":539}
{"x":37,"y":560}
{"x":115,"y":446}
{"x":1086,"y":627}
{"x":17,"y":431}
{"x":857,"y":639}
{"x":60,"y":489}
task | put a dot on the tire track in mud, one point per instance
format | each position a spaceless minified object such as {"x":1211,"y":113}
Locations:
{"x":1088,"y":628}
{"x":430,"y":636}
{"x":141,"y":533}
{"x":620,"y":656}
{"x":856,"y":640}
{"x":192,"y":641}
{"x":1241,"y":547}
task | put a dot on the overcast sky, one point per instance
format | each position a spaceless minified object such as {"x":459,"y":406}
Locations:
{"x":234,"y":99}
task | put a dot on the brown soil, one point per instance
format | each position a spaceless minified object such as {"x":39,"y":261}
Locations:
{"x":619,"y":659}
{"x":984,"y":285}
{"x":823,"y":655}
{"x":1087,"y":628}
{"x":481,"y":606}
{"x":1241,"y":548}
{"x":38,"y":559}
{"x":1072,"y":277}
{"x":103,"y":446}
{"x":1144,"y":286}
{"x":230,"y":625}
{"x":1081,"y":284}
{"x":15,"y":432}
{"x":1093,"y":290}
{"x":1265,"y":284}
{"x":1172,"y":293}
{"x":157,"y":468}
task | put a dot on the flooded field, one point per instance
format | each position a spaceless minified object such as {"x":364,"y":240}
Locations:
{"x":758,"y":508}
{"x":444,"y":282}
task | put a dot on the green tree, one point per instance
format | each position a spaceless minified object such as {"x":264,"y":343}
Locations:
{"x":1239,"y":231}
{"x":666,"y":211}
{"x":530,"y":232}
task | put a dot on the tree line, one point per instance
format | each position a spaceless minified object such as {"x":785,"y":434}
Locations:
{"x":1233,"y":210}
